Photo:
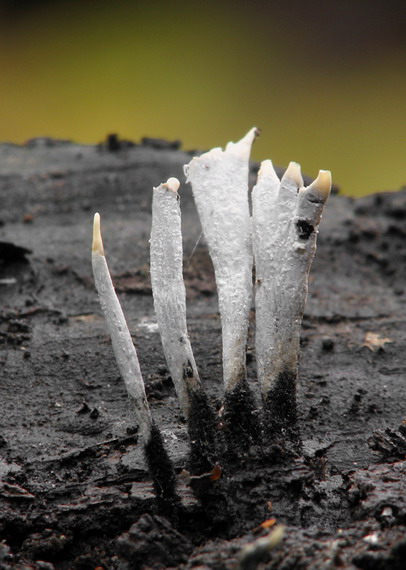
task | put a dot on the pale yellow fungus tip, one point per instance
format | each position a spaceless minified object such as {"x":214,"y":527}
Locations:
{"x":321,"y":186}
{"x":172,"y":184}
{"x":97,"y":245}
{"x":294,"y":173}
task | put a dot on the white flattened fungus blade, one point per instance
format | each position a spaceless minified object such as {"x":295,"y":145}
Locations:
{"x":123,"y":347}
{"x":220,"y":188}
{"x":169,"y":290}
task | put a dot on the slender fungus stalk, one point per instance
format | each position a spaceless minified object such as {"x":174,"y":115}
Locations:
{"x":123,"y":347}
{"x":169,"y":291}
{"x":220,"y":188}
{"x":158,"y":461}
{"x":170,"y":307}
{"x":286,"y":217}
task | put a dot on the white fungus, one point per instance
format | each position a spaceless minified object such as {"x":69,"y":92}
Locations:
{"x":123,"y":347}
{"x":169,"y":290}
{"x":286,"y":217}
{"x":220,"y":188}
{"x":281,"y":238}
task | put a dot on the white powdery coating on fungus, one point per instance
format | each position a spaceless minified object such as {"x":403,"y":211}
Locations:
{"x":123,"y":347}
{"x":285,"y":223}
{"x":220,"y":188}
{"x":169,"y":290}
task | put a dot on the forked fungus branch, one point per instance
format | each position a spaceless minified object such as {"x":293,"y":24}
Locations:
{"x":285,"y":218}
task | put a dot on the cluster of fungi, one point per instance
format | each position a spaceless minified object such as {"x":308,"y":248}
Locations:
{"x":262,"y":244}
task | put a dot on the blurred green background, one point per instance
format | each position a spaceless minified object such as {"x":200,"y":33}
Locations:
{"x":326,"y":81}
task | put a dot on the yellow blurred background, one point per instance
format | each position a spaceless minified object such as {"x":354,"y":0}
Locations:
{"x":325,"y":81}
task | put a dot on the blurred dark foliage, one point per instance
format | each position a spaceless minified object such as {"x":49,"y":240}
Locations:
{"x":11,"y":7}
{"x":336,"y":28}
{"x":345,"y":27}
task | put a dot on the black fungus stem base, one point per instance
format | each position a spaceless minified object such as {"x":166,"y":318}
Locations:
{"x":280,"y":416}
{"x":241,"y":424}
{"x":163,"y":476}
{"x":202,"y":433}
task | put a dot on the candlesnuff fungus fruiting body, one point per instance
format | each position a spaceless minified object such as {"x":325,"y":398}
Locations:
{"x":123,"y":347}
{"x":126,"y":357}
{"x":169,"y":292}
{"x":219,"y":182}
{"x":166,"y":253}
{"x":285,"y":221}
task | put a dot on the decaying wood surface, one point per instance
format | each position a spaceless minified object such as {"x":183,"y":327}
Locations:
{"x":74,"y":492}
